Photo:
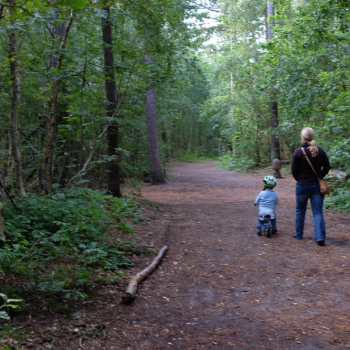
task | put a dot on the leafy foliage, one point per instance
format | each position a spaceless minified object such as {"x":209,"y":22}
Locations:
{"x":7,"y":303}
{"x":305,"y":68}
{"x":57,"y":241}
{"x":237,"y":164}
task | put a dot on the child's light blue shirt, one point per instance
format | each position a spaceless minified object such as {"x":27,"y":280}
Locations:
{"x":267,"y":200}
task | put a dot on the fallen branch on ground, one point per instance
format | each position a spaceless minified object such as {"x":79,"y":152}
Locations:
{"x":130,"y":293}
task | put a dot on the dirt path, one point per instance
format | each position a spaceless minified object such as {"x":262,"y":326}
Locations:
{"x":223,"y":287}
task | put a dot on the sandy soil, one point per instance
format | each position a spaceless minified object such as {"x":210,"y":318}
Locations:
{"x":220,"y":285}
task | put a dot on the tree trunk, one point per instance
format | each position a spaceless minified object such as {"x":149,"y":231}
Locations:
{"x":45,"y":172}
{"x":111,"y":92}
{"x":16,"y":95}
{"x":234,"y":137}
{"x":3,"y":235}
{"x":256,"y":141}
{"x":56,"y":34}
{"x":10,"y":174}
{"x":156,"y":168}
{"x":165,"y":140}
{"x":275,"y":147}
{"x":270,"y":12}
{"x":232,"y":81}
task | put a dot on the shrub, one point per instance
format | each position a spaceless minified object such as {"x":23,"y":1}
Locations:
{"x":227,"y":162}
{"x":56,"y":241}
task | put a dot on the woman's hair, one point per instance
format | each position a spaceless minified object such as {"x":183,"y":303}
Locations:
{"x":309,"y":135}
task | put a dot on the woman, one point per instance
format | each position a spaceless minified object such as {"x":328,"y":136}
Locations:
{"x":308,"y":185}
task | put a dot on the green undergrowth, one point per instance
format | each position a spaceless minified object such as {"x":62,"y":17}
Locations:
{"x":268,"y":170}
{"x":339,"y":198}
{"x":246,"y":164}
{"x":227,"y":162}
{"x":194,"y":157}
{"x":59,"y":243}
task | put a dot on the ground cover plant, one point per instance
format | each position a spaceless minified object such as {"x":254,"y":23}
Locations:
{"x":57,"y":242}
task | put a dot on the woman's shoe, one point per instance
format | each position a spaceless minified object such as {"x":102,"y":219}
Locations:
{"x":320,"y":243}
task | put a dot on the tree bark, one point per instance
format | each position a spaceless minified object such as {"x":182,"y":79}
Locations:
{"x":270,"y":12}
{"x":16,"y":96}
{"x":3,"y":235}
{"x":56,"y":34}
{"x":152,"y":130}
{"x":232,"y":81}
{"x":10,"y":174}
{"x":165,"y":140}
{"x":274,"y":143}
{"x":45,"y":172}
{"x":113,"y":166}
{"x":256,"y":141}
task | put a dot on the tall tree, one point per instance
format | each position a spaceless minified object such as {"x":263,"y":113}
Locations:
{"x":112,"y":105}
{"x":275,"y":146}
{"x":152,"y":130}
{"x":16,"y":96}
{"x":45,"y":172}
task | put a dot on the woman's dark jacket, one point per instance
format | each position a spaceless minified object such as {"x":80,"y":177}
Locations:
{"x":301,"y":169}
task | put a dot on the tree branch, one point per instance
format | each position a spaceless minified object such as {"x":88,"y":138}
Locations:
{"x":9,"y":5}
{"x":207,"y":8}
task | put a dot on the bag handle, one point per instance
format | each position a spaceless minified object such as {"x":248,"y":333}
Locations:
{"x":307,"y":158}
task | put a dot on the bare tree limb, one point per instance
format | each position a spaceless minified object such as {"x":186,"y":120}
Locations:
{"x":207,"y":8}
{"x":130,"y":293}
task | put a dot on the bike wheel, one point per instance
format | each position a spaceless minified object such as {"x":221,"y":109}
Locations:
{"x":268,"y":230}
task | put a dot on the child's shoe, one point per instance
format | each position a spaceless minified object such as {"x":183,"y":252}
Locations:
{"x":259,"y":233}
{"x":274,"y":231}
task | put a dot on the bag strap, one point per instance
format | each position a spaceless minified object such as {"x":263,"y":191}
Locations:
{"x":307,"y":158}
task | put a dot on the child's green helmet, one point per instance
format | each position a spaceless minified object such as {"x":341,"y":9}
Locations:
{"x":269,"y":181}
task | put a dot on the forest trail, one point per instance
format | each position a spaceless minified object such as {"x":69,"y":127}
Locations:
{"x":223,"y":287}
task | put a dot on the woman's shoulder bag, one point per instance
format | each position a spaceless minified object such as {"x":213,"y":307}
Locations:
{"x":323,"y":184}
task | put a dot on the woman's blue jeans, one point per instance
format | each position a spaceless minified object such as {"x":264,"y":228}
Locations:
{"x":303,"y":193}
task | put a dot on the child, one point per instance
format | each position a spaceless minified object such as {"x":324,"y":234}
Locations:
{"x":267,"y":200}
